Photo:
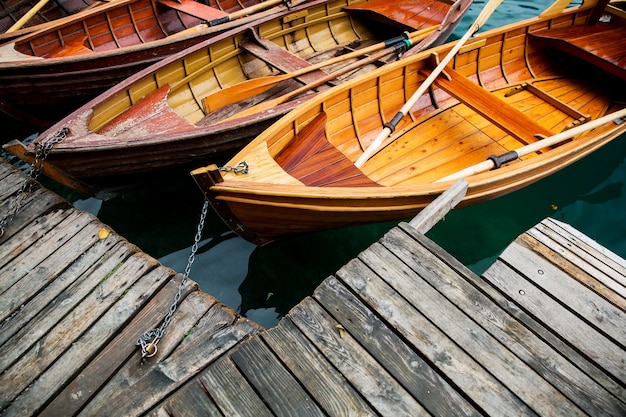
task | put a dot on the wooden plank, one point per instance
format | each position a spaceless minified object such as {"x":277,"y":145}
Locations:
{"x":77,"y":392}
{"x":279,"y":389}
{"x":588,"y":306}
{"x":601,"y":263}
{"x":63,"y":260}
{"x":82,"y":349}
{"x":596,"y":347}
{"x":406,"y":365}
{"x":221,"y":380}
{"x":6,"y":169}
{"x":453,"y":362}
{"x":460,"y":326}
{"x":12,"y":182}
{"x":190,"y":401}
{"x":280,"y":58}
{"x":435,"y":211}
{"x":190,"y":311}
{"x":34,"y":318}
{"x":594,"y":279}
{"x":36,"y":360}
{"x":591,"y":246}
{"x":549,"y":363}
{"x":375,"y":384}
{"x":32,"y":207}
{"x":195,"y":9}
{"x":217,"y":332}
{"x":329,"y":388}
{"x":43,"y":248}
{"x":527,"y":320}
{"x":34,"y":231}
{"x":497,"y":111}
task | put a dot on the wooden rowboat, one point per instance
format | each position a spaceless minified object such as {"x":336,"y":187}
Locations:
{"x":529,"y":98}
{"x":46,"y":74}
{"x":172,"y":115}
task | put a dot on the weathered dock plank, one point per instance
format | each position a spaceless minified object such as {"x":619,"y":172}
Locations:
{"x":219,"y":382}
{"x":74,"y":299}
{"x":402,"y":330}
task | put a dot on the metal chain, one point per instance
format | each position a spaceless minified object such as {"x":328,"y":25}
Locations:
{"x":148,"y":341}
{"x":42,"y":149}
{"x":240,"y":168}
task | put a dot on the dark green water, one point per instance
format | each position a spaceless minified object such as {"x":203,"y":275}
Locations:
{"x":263,"y":283}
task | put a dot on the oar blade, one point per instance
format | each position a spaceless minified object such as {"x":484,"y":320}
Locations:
{"x":238,"y":92}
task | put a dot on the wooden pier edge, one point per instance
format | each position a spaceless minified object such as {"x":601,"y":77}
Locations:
{"x":403,"y":329}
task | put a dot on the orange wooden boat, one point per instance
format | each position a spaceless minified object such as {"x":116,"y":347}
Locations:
{"x":46,"y":74}
{"x":501,"y":110}
{"x":171,"y":115}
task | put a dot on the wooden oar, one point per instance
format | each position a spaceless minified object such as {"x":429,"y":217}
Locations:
{"x":254,"y":86}
{"x":270,"y":104}
{"x":497,"y":161}
{"x":247,"y":11}
{"x":22,"y":21}
{"x":390,"y":127}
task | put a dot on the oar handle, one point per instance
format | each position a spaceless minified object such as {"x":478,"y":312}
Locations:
{"x":22,"y":21}
{"x":494,"y":162}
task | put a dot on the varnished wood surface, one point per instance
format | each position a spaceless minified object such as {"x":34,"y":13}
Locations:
{"x":505,"y":89}
{"x":402,"y":330}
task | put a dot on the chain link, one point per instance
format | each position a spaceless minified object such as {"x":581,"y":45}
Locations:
{"x":148,"y":340}
{"x":42,"y":149}
{"x":240,"y":168}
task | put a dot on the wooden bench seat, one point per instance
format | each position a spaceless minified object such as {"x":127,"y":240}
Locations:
{"x":209,"y":14}
{"x":497,"y":111}
{"x":279,"y":58}
{"x":602,"y":44}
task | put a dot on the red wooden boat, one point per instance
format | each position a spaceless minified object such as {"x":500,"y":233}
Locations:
{"x":46,"y":74}
{"x":172,"y":115}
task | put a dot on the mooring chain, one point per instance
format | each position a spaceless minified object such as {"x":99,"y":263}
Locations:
{"x":42,"y":149}
{"x":148,"y":340}
{"x":240,"y":168}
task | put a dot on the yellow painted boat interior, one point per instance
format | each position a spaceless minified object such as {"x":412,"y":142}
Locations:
{"x":314,"y":35}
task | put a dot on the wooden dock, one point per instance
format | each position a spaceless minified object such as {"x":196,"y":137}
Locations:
{"x":403,"y":330}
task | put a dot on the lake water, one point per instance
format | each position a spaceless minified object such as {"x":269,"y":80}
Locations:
{"x":263,"y":283}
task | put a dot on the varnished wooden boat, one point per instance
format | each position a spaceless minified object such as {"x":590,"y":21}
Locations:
{"x":48,"y":73}
{"x":503,"y":100}
{"x":170,"y":115}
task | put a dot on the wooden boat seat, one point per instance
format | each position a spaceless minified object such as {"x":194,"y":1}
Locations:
{"x":497,"y":111}
{"x":280,"y":58}
{"x":603,"y":45}
{"x":209,"y":14}
{"x":316,"y":162}
{"x":75,"y":47}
